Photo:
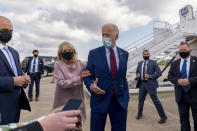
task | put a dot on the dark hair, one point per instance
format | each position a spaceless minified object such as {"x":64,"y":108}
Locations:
{"x":145,"y":51}
{"x":184,"y":43}
{"x":35,"y":51}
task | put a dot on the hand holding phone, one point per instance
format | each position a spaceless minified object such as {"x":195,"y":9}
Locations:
{"x":74,"y":104}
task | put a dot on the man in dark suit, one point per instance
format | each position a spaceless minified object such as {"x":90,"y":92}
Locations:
{"x":35,"y":69}
{"x":107,"y":83}
{"x":12,"y":80}
{"x":183,"y":74}
{"x":148,"y":71}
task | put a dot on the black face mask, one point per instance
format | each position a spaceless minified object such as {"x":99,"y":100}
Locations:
{"x":5,"y":36}
{"x":67,"y":55}
{"x":184,"y":54}
{"x":146,"y":57}
{"x":36,"y":55}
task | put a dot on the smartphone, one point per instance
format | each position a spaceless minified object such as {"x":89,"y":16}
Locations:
{"x":72,"y":104}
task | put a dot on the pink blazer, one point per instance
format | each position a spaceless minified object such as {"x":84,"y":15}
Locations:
{"x":68,"y":84}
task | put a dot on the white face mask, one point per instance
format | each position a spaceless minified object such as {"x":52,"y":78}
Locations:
{"x":107,"y":42}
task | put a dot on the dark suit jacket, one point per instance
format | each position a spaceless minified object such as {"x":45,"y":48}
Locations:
{"x":174,"y":74}
{"x":153,"y":70}
{"x":98,"y":67}
{"x":40,"y":66}
{"x":11,"y":99}
{"x":138,"y":82}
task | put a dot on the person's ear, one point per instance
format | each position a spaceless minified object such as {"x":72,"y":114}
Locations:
{"x":116,"y":36}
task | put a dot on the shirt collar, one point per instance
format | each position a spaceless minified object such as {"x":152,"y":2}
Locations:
{"x":1,"y":46}
{"x":146,"y":60}
{"x":35,"y":57}
{"x":188,"y":59}
{"x":108,"y":50}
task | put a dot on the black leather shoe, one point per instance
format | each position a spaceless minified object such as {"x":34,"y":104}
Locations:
{"x":139,"y":116}
{"x":30,"y":99}
{"x":163,"y":120}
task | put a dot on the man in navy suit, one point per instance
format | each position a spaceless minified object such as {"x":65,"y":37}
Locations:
{"x":12,"y":80}
{"x":35,"y":69}
{"x":183,"y":74}
{"x":148,"y":71}
{"x":107,"y":83}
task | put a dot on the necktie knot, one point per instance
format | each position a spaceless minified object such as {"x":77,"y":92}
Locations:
{"x":5,"y":48}
{"x":111,"y":50}
{"x":185,"y":61}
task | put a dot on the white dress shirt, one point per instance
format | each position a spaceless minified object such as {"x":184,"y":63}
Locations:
{"x":36,"y":65}
{"x":188,"y":65}
{"x":145,"y":69}
{"x":107,"y":50}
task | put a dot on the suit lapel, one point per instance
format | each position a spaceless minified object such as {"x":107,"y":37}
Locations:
{"x":191,"y":66}
{"x":29,"y":64}
{"x":3,"y":57}
{"x":120,"y":54}
{"x":121,"y":57}
{"x":103,"y":55}
{"x":140,"y":67}
{"x":148,"y":65}
{"x":15,"y":59}
{"x":178,"y":68}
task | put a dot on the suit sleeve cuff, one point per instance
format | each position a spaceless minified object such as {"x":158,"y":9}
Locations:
{"x":91,"y":87}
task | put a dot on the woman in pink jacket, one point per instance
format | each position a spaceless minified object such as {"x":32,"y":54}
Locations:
{"x":68,"y":74}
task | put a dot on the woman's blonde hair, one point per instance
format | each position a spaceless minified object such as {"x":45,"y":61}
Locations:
{"x":61,"y":49}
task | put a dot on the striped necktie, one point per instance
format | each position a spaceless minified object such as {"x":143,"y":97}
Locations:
{"x":113,"y":64}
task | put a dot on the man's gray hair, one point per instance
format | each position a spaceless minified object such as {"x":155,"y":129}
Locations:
{"x":115,"y":27}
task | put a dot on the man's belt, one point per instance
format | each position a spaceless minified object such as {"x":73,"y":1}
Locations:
{"x":144,"y":80}
{"x":33,"y":72}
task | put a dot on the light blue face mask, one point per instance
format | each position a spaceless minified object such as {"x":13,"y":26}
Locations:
{"x":107,"y":42}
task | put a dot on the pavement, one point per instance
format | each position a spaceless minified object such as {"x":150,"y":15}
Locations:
{"x":149,"y":122}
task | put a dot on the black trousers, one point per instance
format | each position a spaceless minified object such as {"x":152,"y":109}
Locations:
{"x":35,"y":77}
{"x":184,"y":106}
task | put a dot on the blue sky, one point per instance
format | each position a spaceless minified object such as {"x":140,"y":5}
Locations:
{"x":43,"y":25}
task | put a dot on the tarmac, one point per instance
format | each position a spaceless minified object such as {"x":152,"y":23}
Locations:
{"x":149,"y":121}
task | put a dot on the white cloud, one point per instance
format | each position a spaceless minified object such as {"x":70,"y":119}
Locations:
{"x":166,"y":10}
{"x":43,"y":24}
